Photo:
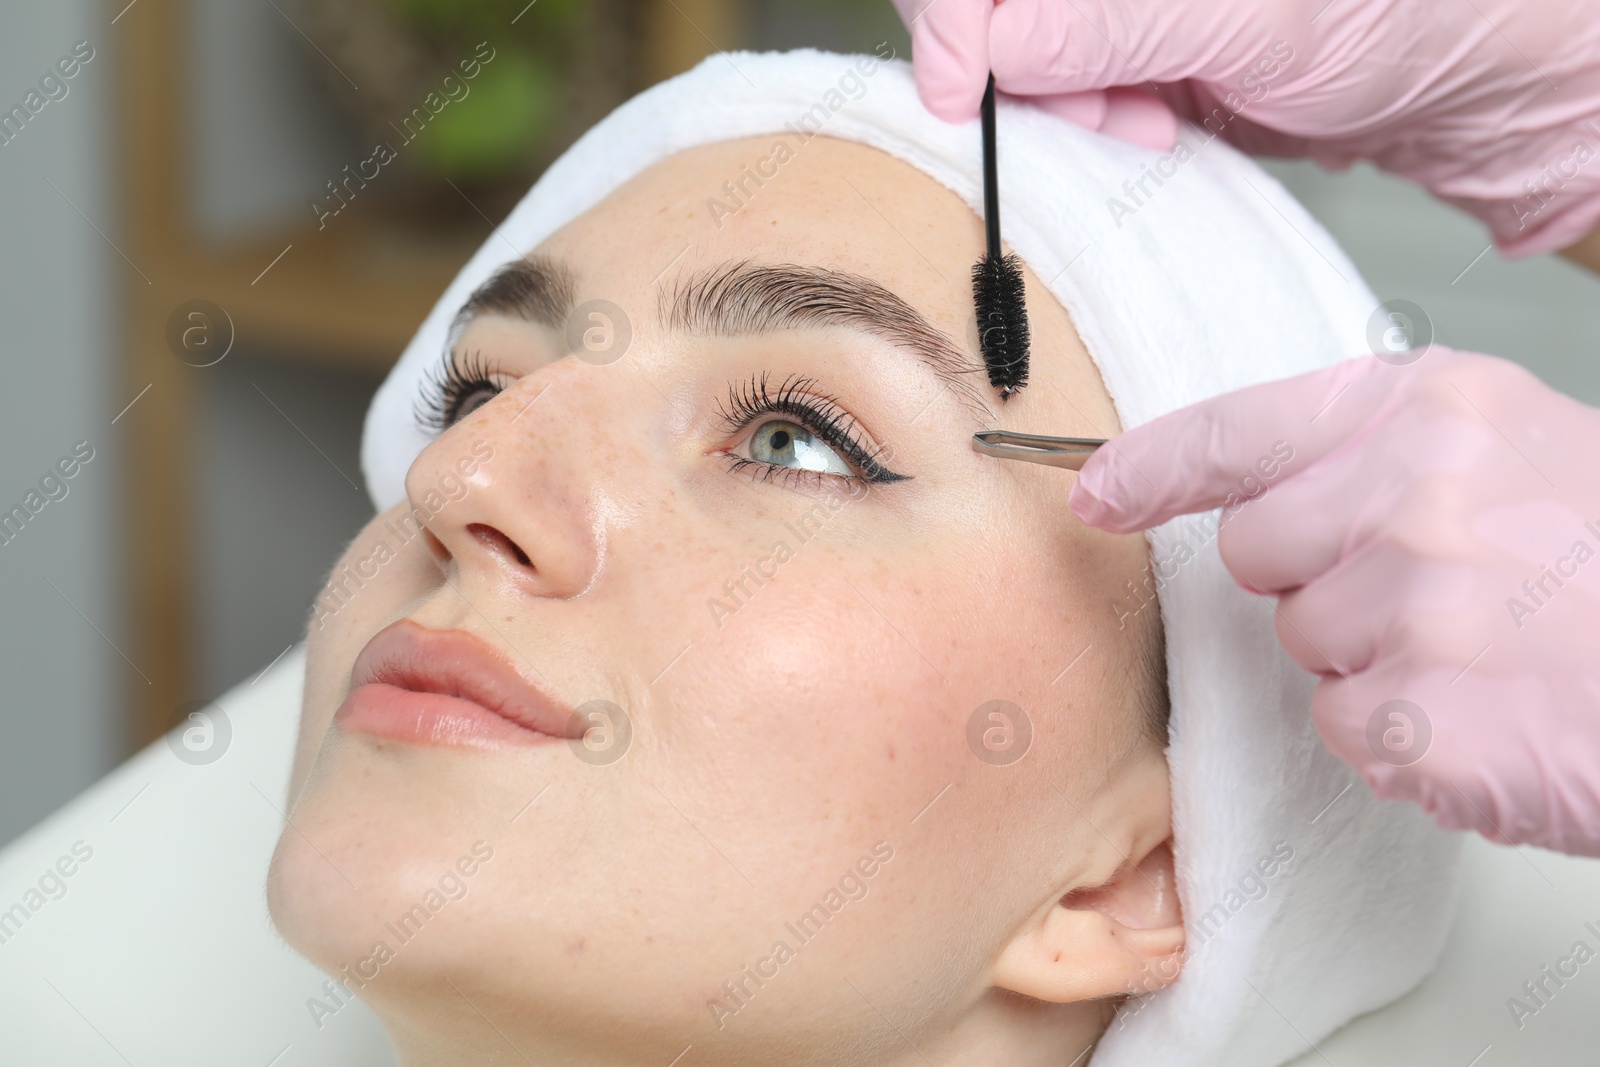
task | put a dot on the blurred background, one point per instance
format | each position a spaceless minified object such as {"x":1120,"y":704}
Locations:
{"x":203,"y":284}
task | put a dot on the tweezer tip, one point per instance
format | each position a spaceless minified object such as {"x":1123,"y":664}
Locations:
{"x":1068,"y":452}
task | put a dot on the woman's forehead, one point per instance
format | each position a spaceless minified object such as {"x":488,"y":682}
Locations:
{"x":828,"y":204}
{"x":832,"y":204}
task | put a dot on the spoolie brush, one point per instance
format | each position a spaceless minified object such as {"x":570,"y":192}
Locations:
{"x":997,"y":290}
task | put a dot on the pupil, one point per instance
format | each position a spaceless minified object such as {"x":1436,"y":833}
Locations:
{"x":780,"y":439}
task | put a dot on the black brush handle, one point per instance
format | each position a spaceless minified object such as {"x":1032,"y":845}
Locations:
{"x":991,"y":176}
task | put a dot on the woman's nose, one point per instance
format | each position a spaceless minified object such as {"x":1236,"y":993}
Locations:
{"x":508,"y":498}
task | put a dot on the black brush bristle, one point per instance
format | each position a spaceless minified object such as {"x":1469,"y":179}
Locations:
{"x":997,"y":289}
{"x":997,"y":294}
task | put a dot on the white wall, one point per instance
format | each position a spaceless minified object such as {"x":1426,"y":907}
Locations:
{"x":62,"y":684}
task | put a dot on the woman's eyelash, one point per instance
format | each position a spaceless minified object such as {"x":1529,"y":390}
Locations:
{"x":447,"y":386}
{"x":451,"y":383}
{"x":823,"y":415}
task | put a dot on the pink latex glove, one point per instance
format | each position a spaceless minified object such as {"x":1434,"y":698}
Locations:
{"x":1492,"y":105}
{"x":949,"y":49}
{"x":1432,"y":535}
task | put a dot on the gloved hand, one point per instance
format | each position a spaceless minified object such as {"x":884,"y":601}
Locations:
{"x":1492,"y":105}
{"x":1432,"y":535}
{"x":950,"y":52}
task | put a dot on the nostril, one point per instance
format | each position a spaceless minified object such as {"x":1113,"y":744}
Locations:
{"x":498,"y":541}
{"x":436,"y":549}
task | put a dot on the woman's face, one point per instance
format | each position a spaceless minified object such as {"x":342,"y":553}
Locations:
{"x":747,"y":518}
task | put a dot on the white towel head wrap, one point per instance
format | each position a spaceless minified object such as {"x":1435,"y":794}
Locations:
{"x":1186,"y":275}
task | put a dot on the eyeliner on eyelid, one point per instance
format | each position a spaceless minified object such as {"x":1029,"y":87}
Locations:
{"x":450,"y":386}
{"x":821,"y":413}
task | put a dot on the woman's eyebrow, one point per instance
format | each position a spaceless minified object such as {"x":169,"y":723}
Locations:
{"x":534,"y":289}
{"x":740,"y":299}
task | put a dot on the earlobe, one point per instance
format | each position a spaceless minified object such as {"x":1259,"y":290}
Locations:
{"x":1119,"y":938}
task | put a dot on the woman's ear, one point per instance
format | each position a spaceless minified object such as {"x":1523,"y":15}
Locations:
{"x":1122,"y":937}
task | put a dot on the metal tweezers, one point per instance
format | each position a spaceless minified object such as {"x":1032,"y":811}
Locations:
{"x":1068,"y":452}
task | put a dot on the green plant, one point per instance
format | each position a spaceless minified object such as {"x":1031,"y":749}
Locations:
{"x":515,"y":102}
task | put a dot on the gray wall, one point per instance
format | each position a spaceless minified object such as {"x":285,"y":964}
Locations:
{"x":62,"y":679}
{"x":265,"y":142}
{"x":1543,"y":312}
{"x":280,"y":494}
{"x":279,"y":437}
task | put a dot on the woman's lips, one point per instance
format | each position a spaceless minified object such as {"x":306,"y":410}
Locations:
{"x":447,"y":687}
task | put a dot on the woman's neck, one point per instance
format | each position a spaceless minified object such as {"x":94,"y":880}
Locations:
{"x":1000,"y":1027}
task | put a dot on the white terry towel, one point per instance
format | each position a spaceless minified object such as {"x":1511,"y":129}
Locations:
{"x":1307,"y":901}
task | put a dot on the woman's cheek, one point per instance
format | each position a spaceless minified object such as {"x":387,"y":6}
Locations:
{"x":381,"y":571}
{"x":812,"y":683}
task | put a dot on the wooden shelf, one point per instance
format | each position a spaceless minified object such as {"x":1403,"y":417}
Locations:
{"x":353,"y":295}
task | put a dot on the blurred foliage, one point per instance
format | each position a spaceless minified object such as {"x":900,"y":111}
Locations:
{"x":558,"y":67}
{"x":454,"y":16}
{"x":514,"y":99}
{"x":511,"y":104}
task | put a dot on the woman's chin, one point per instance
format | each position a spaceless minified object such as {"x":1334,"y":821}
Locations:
{"x":370,"y":914}
{"x":311,"y":905}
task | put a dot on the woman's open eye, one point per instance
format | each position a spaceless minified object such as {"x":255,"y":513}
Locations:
{"x":786,"y":444}
{"x":455,"y":389}
{"x":799,"y":433}
{"x":478,"y":396}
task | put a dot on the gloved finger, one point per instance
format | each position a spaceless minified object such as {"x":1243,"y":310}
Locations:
{"x":1416,"y":738}
{"x":1336,"y":624}
{"x":949,"y":53}
{"x":1047,"y":46}
{"x":1132,"y":115}
{"x":1192,"y":459}
{"x":1140,"y":118}
{"x":1196,"y":102}
{"x":1081,"y":109}
{"x":1279,"y":531}
{"x":951,"y":66}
